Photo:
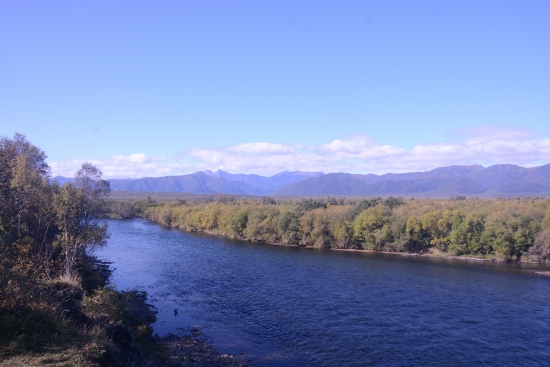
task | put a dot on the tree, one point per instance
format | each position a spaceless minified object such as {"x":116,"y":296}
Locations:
{"x":238,"y":221}
{"x":88,"y":179}
{"x":418,"y":236}
{"x":77,"y":208}
{"x":26,"y":215}
{"x":392,"y":202}
{"x":541,"y":247}
{"x":368,"y":224}
{"x":466,"y":236}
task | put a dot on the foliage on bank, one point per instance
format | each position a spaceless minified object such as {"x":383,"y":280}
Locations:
{"x":510,"y":229}
{"x":55,"y":305}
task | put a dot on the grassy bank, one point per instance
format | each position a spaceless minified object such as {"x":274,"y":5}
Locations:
{"x":72,"y":322}
{"x":84,"y":322}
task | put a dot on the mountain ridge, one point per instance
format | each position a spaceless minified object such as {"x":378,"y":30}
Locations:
{"x":496,"y":180}
{"x":473,"y":180}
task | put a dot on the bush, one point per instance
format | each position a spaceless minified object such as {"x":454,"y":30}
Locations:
{"x":541,"y":247}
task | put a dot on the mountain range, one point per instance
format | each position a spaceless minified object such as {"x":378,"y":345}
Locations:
{"x":475,"y":180}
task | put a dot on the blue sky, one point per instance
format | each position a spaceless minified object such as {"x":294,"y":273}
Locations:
{"x":169,"y":87}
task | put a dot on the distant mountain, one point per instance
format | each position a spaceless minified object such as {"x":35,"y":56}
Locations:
{"x":451,"y":171}
{"x":208,"y":182}
{"x":199,"y":182}
{"x":350,"y":185}
{"x":500,"y":175}
{"x":333,"y":183}
{"x":498,"y":180}
{"x":261,"y":185}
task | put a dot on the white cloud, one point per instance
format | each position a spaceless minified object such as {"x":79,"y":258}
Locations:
{"x":356,"y":154}
{"x":359,"y":153}
{"x":261,"y":148}
{"x":351,"y":144}
{"x":120,"y":166}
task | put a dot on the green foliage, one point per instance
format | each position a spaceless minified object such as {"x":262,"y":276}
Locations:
{"x":545,"y":222}
{"x":503,"y":228}
{"x":44,"y":228}
{"x":46,"y":235}
{"x":392,"y":202}
{"x":93,"y":273}
{"x":466,"y":236}
{"x":541,"y":246}
{"x":287,"y":225}
{"x":371,"y":227}
{"x":363,"y":205}
{"x":417,"y":236}
{"x":310,"y":204}
{"x":108,"y":307}
{"x":259,"y":223}
{"x":237,"y":222}
{"x":123,"y":209}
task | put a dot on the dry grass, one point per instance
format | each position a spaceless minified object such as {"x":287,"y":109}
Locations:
{"x":63,"y":357}
{"x":59,"y":323}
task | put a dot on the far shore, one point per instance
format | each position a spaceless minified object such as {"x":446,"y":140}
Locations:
{"x":424,"y":254}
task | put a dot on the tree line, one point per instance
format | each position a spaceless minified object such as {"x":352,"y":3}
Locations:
{"x":509,"y":229}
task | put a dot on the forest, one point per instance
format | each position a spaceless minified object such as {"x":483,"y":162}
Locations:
{"x":503,"y":229}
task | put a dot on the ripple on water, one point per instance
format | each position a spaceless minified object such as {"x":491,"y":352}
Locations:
{"x":288,"y":306}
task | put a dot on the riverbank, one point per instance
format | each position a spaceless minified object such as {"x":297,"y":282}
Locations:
{"x":440,"y":255}
{"x":516,"y":230}
{"x":429,"y":253}
{"x":190,"y":351}
{"x":172,"y":351}
{"x":84,"y":322}
{"x":287,"y":306}
{"x":175,"y":352}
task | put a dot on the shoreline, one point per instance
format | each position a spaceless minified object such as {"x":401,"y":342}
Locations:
{"x":188,"y":350}
{"x":425,"y":254}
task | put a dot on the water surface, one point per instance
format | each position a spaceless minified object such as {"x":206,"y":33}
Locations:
{"x":288,"y":306}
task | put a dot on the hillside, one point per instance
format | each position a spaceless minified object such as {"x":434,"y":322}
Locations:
{"x":475,"y":180}
{"x":497,"y":180}
{"x":208,"y":182}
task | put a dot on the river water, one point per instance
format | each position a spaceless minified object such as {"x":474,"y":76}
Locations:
{"x":289,"y":306}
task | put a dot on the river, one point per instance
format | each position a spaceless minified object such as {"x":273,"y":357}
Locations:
{"x":290,"y":306}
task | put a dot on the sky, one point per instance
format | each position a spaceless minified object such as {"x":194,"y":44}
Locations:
{"x":156,"y":88}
